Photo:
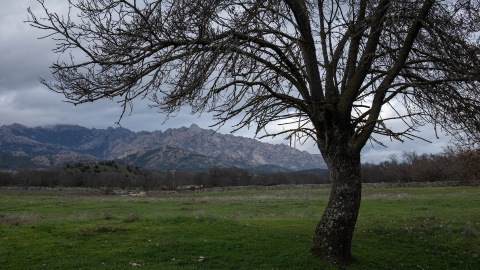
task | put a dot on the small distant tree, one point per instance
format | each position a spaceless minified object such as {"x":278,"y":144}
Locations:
{"x":6,"y":178}
{"x":330,"y":67}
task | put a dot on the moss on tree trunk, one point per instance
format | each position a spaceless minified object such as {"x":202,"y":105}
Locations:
{"x":333,"y":234}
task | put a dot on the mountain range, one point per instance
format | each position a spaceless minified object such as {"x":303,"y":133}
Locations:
{"x":192,"y":148}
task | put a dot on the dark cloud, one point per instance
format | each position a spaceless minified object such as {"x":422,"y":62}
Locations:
{"x":24,"y":58}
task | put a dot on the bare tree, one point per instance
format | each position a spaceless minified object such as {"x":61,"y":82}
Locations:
{"x":465,"y":160}
{"x":329,"y":67}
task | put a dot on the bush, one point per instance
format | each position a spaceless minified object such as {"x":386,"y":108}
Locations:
{"x":131,"y":218}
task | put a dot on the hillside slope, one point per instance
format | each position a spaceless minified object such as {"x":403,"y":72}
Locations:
{"x":189,"y":147}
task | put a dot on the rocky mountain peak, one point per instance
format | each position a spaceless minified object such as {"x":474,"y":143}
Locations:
{"x":195,"y":128}
{"x":119,"y":143}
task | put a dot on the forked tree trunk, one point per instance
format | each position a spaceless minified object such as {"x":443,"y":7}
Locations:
{"x":333,"y":234}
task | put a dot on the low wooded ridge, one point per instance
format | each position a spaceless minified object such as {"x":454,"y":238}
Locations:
{"x":447,"y":166}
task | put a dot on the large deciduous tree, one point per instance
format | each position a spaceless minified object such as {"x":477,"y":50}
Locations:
{"x":330,"y":67}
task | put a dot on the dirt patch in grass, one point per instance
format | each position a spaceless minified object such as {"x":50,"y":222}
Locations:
{"x":100,"y":229}
{"x":17,"y":219}
{"x":76,"y":216}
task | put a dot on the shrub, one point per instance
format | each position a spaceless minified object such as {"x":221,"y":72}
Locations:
{"x":131,"y":218}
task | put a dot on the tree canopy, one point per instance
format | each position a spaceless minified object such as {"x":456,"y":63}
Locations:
{"x":330,"y":67}
{"x":279,"y":60}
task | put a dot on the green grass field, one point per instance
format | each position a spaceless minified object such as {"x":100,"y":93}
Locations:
{"x":402,"y":228}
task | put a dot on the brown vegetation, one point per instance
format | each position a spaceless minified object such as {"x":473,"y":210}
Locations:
{"x":453,"y":164}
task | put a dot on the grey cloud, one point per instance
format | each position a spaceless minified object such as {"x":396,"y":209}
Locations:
{"x":24,"y":58}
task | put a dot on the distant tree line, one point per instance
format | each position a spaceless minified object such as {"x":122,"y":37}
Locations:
{"x":453,"y":164}
{"x":112,"y":174}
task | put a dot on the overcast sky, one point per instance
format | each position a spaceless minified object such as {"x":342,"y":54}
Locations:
{"x":24,"y":58}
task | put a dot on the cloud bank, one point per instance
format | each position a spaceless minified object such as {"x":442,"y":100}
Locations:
{"x":24,"y":100}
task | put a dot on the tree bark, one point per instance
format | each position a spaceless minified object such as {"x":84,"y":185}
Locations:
{"x":333,"y":234}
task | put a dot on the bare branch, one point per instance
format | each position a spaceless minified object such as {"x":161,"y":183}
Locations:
{"x":331,"y":63}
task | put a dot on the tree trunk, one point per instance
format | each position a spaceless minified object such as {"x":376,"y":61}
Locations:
{"x":333,"y":234}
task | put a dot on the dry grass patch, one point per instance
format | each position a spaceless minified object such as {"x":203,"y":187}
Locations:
{"x":76,"y":216}
{"x":469,"y":231}
{"x":386,"y":195}
{"x":99,"y":230}
{"x":257,"y":197}
{"x":17,"y":219}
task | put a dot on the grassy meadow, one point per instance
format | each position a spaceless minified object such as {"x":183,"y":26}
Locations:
{"x":401,"y":228}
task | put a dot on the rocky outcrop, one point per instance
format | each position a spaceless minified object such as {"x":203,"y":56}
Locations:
{"x":200,"y":147}
{"x":223,"y":147}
